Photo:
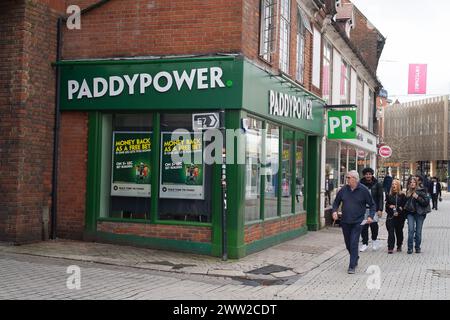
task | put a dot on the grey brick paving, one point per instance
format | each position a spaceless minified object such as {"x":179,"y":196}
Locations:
{"x":318,"y":262}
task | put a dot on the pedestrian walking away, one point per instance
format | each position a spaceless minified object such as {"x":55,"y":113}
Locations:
{"x":435,"y":191}
{"x":387,"y":183}
{"x":417,"y":206}
{"x":355,"y":198}
{"x":395,"y":220}
{"x":376,"y":190}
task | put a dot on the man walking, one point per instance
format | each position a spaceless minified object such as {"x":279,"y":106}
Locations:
{"x":376,"y":190}
{"x":435,"y":191}
{"x":354,"y":198}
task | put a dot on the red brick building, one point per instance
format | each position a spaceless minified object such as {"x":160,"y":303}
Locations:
{"x":263,"y":46}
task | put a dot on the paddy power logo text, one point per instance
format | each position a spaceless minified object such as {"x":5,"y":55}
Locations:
{"x":199,"y":79}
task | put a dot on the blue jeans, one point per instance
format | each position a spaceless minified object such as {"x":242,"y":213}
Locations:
{"x":415,"y":224}
{"x":352,"y":232}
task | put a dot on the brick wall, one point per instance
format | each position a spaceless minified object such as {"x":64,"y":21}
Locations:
{"x":267,"y":229}
{"x":27,"y":47}
{"x":365,"y":37}
{"x":185,"y":233}
{"x":250,"y":41}
{"x":156,"y":27}
{"x":72,"y":175}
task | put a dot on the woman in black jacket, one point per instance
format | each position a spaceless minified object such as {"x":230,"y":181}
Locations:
{"x":415,"y":196}
{"x":395,"y":221}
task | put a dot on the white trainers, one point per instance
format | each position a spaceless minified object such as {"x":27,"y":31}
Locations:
{"x":363,"y":248}
{"x":375,"y":245}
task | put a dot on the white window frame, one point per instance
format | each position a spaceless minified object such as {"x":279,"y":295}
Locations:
{"x":267,"y":26}
{"x":327,"y":60}
{"x":345,"y":78}
{"x":285,"y":34}
{"x":317,"y":58}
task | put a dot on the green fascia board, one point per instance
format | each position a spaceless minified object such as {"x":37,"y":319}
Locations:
{"x":246,"y":86}
{"x":274,"y":240}
{"x":156,"y":243}
{"x":257,"y":84}
{"x":208,"y":89}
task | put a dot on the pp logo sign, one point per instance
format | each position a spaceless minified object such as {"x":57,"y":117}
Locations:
{"x":342,"y":124}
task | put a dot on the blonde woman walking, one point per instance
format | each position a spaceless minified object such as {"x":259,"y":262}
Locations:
{"x":395,"y":221}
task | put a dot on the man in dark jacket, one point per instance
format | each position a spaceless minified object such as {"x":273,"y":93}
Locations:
{"x":355,"y":198}
{"x":376,"y":190}
{"x":434,"y":189}
{"x":387,"y":183}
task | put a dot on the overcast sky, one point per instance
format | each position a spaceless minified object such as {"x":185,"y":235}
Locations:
{"x":415,"y":32}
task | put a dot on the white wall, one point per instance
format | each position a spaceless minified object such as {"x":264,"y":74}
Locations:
{"x":337,"y":61}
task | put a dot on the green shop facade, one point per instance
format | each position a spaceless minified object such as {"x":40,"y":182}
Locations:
{"x":148,"y":180}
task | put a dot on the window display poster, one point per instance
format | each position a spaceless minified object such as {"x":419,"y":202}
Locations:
{"x":131,"y":170}
{"x":182,"y":179}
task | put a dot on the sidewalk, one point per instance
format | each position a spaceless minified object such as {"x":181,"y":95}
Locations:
{"x":275,"y":265}
{"x":285,"y":262}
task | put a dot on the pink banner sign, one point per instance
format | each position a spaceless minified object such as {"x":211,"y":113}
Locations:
{"x":417,"y":79}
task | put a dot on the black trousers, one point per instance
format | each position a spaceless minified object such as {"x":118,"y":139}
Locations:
{"x":351,"y":234}
{"x":394,"y":226}
{"x":434,"y":199}
{"x":365,"y":232}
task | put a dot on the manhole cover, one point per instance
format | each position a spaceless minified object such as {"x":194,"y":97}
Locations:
{"x":271,"y":268}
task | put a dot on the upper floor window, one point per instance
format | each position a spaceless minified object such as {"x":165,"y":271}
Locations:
{"x":267,"y":29}
{"x":345,"y":82}
{"x":359,"y":100}
{"x":285,"y":27}
{"x":326,"y":72}
{"x":300,"y":47}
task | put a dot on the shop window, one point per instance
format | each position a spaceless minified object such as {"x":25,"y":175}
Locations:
{"x":185,"y":180}
{"x":253,"y":154}
{"x":271,"y":166}
{"x":126,"y":166}
{"x":299,"y":176}
{"x":286,"y":172}
{"x":331,"y":171}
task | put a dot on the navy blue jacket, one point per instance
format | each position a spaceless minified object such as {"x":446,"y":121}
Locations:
{"x":354,"y":203}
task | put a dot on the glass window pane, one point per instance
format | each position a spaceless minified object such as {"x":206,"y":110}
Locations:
{"x":286,"y":172}
{"x":271,"y":171}
{"x":253,"y":154}
{"x":185,"y":181}
{"x":126,"y":152}
{"x":299,"y":176}
{"x":331,"y":171}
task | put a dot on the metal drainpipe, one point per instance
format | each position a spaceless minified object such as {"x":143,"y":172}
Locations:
{"x":56,"y":129}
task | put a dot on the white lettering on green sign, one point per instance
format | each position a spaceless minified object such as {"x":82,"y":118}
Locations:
{"x":199,"y":79}
{"x":342,"y":124}
{"x":289,"y":106}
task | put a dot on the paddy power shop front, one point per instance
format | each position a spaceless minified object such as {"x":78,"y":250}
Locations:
{"x":153,"y":127}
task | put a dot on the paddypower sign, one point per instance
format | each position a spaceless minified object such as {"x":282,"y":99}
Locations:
{"x":148,"y":84}
{"x":342,"y":124}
